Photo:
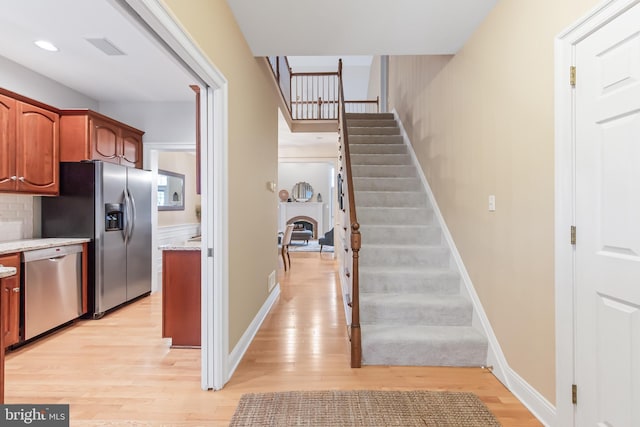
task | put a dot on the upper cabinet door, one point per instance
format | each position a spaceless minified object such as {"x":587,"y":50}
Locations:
{"x":37,"y":161}
{"x":131,"y":149}
{"x":87,"y":135}
{"x":7,"y":143}
{"x":105,"y":140}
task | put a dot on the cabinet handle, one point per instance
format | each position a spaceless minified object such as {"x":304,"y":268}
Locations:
{"x":13,"y":178}
{"x":21,"y":179}
{"x":16,"y":290}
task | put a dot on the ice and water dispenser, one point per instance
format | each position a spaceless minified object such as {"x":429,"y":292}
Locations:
{"x":114,"y":217}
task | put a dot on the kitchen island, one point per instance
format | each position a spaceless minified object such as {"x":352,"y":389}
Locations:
{"x":181,"y":308}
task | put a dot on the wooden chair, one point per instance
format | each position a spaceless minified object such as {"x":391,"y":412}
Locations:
{"x":286,"y":241}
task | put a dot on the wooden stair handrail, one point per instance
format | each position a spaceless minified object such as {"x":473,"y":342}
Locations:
{"x":355,"y":237}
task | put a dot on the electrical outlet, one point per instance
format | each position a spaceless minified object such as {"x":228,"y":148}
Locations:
{"x":272,"y":280}
{"x":492,"y":203}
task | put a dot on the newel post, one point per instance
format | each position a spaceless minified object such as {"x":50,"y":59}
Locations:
{"x":356,"y":345}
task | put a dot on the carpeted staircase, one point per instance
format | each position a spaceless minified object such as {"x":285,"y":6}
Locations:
{"x":412,"y":310}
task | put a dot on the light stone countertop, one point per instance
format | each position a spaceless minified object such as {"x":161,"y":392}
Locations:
{"x":7,"y":271}
{"x":189,"y":245}
{"x":30,"y":244}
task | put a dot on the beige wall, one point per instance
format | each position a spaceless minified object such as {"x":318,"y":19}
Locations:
{"x":184,"y":163}
{"x":482,"y":123}
{"x":252,"y":156}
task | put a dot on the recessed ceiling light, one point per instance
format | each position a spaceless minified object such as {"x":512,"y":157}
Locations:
{"x":43,"y":44}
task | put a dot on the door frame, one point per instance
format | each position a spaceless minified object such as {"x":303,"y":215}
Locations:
{"x":161,"y":25}
{"x":565,"y":285}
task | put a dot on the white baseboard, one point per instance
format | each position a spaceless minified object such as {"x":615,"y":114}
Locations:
{"x":540,"y":407}
{"x":529,"y":397}
{"x":234,"y":358}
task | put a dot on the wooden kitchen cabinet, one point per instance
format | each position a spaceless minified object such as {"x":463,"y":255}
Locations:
{"x":10,"y":289}
{"x":29,"y":146}
{"x":181,"y":297}
{"x":87,"y":135}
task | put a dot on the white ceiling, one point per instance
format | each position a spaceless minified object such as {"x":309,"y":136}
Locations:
{"x":358,"y":27}
{"x":275,"y":27}
{"x":144,"y":74}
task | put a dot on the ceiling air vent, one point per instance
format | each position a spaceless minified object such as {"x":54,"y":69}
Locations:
{"x":106,"y":47}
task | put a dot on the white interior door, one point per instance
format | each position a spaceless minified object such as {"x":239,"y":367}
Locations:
{"x":607,"y":253}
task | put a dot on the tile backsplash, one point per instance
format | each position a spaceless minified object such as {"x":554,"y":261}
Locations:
{"x":17,"y":216}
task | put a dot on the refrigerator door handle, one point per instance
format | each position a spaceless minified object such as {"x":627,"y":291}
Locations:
{"x":125,"y":229}
{"x":133,"y":213}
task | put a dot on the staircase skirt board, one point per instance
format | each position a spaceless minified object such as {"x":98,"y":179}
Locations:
{"x":413,"y":308}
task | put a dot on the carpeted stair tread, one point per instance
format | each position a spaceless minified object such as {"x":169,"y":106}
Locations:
{"x":372,"y":130}
{"x":395,"y":215}
{"x":382,"y":123}
{"x":391,"y":171}
{"x":408,"y":256}
{"x":382,"y":148}
{"x":410,"y":199}
{"x":387,"y":184}
{"x":415,"y":308}
{"x":380,"y":159}
{"x":394,"y":279}
{"x":401,"y":234}
{"x":369,"y":116}
{"x":357,"y":140}
{"x":409,"y":345}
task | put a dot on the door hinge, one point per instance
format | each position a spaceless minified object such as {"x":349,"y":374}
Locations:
{"x":572,"y":76}
{"x":574,"y":394}
{"x":573,"y":234}
{"x":210,"y":252}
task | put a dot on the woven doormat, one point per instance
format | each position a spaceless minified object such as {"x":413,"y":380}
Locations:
{"x":363,"y":408}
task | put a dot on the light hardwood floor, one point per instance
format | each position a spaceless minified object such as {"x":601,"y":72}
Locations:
{"x":117,"y":371}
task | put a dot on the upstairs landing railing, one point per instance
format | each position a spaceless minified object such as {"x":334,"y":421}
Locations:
{"x":314,"y":96}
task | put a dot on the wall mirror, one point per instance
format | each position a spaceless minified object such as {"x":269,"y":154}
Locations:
{"x":302,"y":192}
{"x":170,"y":191}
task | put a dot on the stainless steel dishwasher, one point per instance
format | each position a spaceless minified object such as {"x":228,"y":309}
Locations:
{"x":52,"y":285}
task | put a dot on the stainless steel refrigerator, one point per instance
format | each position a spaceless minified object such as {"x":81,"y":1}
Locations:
{"x":111,"y":205}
